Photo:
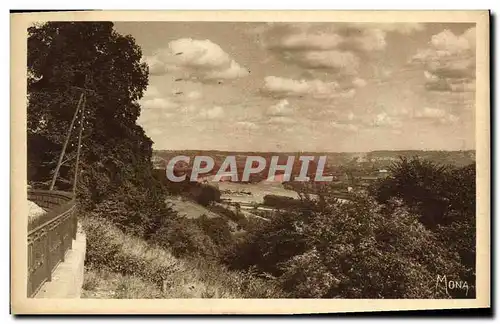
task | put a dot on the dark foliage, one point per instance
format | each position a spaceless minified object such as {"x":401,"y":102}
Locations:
{"x":443,"y":197}
{"x":184,"y":238}
{"x":218,"y":230}
{"x":236,"y":216}
{"x":364,"y":248}
{"x":204,"y":194}
{"x":116,"y":171}
{"x":269,"y":244}
{"x":117,"y":179}
{"x":438,"y":193}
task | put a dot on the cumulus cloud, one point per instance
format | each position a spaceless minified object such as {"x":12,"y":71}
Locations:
{"x":358,"y":82}
{"x":282,"y":120}
{"x":345,"y":126}
{"x":156,"y":66}
{"x":194,"y":95}
{"x":448,"y":41}
{"x":197,"y":60}
{"x":319,"y":36}
{"x":155,"y":108}
{"x":151,"y":92}
{"x":436,"y":114}
{"x":158,"y":103}
{"x":399,"y":111}
{"x":246,"y":125}
{"x":347,"y":121}
{"x":449,"y":119}
{"x":311,"y":49}
{"x":449,"y":62}
{"x":216,"y":112}
{"x":189,"y":109}
{"x":430,"y":113}
{"x":334,"y":48}
{"x":150,"y":118}
{"x":330,"y":46}
{"x":282,"y":108}
{"x":402,"y":28}
{"x":338,"y":61}
{"x":278,"y":86}
{"x":369,"y":39}
{"x":156,"y":131}
{"x":153,"y":99}
{"x":385,"y":120}
{"x":379,"y":117}
{"x":305,"y":41}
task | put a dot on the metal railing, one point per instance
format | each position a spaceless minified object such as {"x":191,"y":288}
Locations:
{"x":50,"y":235}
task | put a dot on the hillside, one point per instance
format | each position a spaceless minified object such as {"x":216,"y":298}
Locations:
{"x":120,"y":265}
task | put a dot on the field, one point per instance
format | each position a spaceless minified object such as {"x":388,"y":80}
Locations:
{"x":188,"y":208}
{"x":253,"y":193}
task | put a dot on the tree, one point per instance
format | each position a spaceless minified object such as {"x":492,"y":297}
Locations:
{"x":63,"y":58}
{"x":205,"y":194}
{"x":218,"y":230}
{"x":268,"y":244}
{"x":443,"y":197}
{"x":185,"y":238}
{"x":358,"y":249}
{"x":429,"y":189}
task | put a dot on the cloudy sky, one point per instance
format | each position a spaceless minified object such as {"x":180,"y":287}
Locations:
{"x":307,"y":86}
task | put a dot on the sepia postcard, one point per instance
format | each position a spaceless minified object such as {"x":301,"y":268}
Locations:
{"x":249,"y":162}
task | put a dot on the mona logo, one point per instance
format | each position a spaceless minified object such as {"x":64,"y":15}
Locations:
{"x":450,"y":285}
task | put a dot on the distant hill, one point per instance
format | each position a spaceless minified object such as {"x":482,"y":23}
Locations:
{"x":456,"y":158}
{"x":341,"y":159}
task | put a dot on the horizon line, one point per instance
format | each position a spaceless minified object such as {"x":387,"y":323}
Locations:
{"x":308,"y":151}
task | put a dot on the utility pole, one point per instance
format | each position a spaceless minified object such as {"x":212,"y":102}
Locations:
{"x":68,"y":135}
{"x":79,"y":108}
{"x":82,"y":117}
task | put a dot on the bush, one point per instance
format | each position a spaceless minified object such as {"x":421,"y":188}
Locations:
{"x":205,"y":194}
{"x":351,"y":250}
{"x":443,"y":197}
{"x":184,"y":238}
{"x":121,"y":265}
{"x":429,"y":189}
{"x":235,"y":216}
{"x":371,"y":254}
{"x":218,"y":230}
{"x":267,"y":244}
{"x":278,"y":201}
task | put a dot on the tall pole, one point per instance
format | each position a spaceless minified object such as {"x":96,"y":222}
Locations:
{"x":56,"y":172}
{"x":75,"y":180}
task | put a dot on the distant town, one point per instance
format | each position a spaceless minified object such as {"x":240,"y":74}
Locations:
{"x":350,"y":173}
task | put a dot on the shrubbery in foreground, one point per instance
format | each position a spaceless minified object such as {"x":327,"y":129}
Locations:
{"x":394,"y":248}
{"x":114,"y":254}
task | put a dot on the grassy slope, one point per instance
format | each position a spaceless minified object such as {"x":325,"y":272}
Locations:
{"x":122,"y":266}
